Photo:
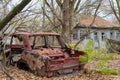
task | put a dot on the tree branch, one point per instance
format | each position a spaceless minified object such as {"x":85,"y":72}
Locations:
{"x":77,"y":5}
{"x":59,"y":3}
{"x":48,"y":17}
{"x":13,"y":13}
{"x":114,"y":11}
{"x":53,"y":12}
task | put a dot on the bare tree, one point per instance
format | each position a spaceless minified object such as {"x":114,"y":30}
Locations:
{"x":115,"y":6}
{"x":65,"y":11}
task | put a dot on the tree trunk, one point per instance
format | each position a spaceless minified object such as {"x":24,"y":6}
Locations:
{"x":66,"y":16}
{"x":13,"y":13}
{"x":71,"y":22}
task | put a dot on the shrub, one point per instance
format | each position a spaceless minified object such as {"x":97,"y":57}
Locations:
{"x":102,"y":58}
{"x":106,"y":70}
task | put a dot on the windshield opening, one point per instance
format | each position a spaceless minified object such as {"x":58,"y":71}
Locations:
{"x":44,"y":41}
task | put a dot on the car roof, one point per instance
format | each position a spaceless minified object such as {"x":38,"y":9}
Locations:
{"x":36,"y":33}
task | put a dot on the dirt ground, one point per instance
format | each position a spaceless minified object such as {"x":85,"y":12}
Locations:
{"x":80,"y":75}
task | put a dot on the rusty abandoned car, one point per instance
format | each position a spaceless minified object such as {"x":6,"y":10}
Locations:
{"x":43,"y":53}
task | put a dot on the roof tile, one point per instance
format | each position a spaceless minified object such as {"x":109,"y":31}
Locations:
{"x":87,"y":20}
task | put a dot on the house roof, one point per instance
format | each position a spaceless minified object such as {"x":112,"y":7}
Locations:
{"x":87,"y":20}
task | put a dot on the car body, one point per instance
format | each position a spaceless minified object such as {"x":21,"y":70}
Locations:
{"x":44,"y":53}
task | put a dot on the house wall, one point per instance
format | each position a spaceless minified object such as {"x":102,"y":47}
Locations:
{"x":98,"y":36}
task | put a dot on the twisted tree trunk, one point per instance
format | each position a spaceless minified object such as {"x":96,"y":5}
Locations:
{"x":65,"y":16}
{"x":13,"y":13}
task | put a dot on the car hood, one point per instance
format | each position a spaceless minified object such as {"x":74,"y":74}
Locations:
{"x":49,"y":51}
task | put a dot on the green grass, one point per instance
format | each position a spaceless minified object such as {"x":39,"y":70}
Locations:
{"x":97,"y":55}
{"x":106,"y":70}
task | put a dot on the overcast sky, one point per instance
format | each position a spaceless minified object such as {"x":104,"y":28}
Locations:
{"x":15,"y":2}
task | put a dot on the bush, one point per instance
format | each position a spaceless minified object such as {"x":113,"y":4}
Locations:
{"x":96,"y":55}
{"x":72,"y":45}
{"x":106,"y":70}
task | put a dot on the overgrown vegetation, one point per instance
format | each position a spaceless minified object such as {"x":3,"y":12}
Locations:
{"x":72,"y":45}
{"x":97,"y":55}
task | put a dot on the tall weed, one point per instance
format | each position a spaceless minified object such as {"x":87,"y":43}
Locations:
{"x":97,"y":55}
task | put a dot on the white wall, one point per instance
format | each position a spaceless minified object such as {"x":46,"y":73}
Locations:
{"x":98,"y":42}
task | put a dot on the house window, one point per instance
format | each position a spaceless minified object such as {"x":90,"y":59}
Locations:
{"x":103,"y":36}
{"x":118,"y":36}
{"x":111,"y":35}
{"x":88,"y":36}
{"x":75,"y":34}
{"x":95,"y":36}
{"x":81,"y":34}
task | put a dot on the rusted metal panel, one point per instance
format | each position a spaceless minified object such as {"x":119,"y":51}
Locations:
{"x":35,"y":34}
{"x":46,"y":59}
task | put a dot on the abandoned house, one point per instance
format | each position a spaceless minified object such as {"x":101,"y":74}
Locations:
{"x":99,"y":30}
